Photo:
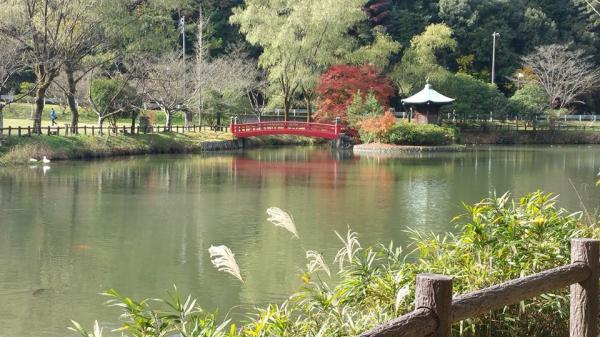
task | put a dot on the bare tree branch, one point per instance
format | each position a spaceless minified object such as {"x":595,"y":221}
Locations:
{"x":564,"y":74}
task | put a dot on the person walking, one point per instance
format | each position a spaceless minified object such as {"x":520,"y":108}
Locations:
{"x":53,"y":116}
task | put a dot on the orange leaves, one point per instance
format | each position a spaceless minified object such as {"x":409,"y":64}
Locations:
{"x":375,"y":128}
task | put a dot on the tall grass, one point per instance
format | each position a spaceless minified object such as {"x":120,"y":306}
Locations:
{"x":497,"y":239}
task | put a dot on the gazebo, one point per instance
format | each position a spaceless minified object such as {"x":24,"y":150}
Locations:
{"x":426,"y":104}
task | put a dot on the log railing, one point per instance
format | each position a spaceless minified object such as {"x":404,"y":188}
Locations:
{"x":436,"y":309}
{"x":105,"y":130}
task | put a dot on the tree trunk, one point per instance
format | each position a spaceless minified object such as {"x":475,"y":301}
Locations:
{"x":40,"y":95}
{"x":286,"y":108}
{"x":1,"y":118}
{"x":133,"y":117}
{"x":168,"y":119}
{"x":308,"y":102}
{"x":189,"y":118}
{"x":71,"y":98}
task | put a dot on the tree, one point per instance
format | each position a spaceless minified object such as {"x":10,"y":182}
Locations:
{"x":564,"y":74}
{"x":299,"y":38}
{"x":421,"y":61}
{"x":163,"y":80}
{"x":338,"y":85}
{"x":111,"y":98}
{"x":10,"y":63}
{"x":473,"y":98}
{"x":230,"y":79}
{"x":363,"y":107}
{"x":530,"y":101}
{"x":41,"y":28}
{"x":85,"y":48}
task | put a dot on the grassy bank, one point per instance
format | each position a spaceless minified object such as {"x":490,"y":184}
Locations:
{"x":531,"y":137}
{"x":18,"y":150}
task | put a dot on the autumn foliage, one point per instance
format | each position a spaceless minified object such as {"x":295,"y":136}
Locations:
{"x":375,"y":128}
{"x":339,"y":83}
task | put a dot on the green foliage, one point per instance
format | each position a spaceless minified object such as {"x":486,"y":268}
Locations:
{"x":378,"y":53}
{"x":421,"y":134}
{"x":27,"y":87}
{"x":530,"y":101}
{"x":420,"y":62}
{"x":113,"y":98}
{"x":363,"y":106}
{"x":474,"y":98}
{"x":497,"y":239}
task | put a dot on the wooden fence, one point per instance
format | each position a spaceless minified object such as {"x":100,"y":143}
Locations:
{"x":106,"y":130}
{"x":436,"y":309}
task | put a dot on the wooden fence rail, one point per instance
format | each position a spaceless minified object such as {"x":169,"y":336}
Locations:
{"x":436,"y":310}
{"x":104,"y":130}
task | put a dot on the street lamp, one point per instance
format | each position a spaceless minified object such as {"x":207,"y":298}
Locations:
{"x":494,"y":35}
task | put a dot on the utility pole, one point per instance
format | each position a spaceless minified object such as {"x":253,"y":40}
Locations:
{"x":494,"y":35}
{"x":182,"y":26}
{"x":200,"y":60}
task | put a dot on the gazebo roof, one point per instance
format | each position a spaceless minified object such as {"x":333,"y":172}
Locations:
{"x":427,"y":96}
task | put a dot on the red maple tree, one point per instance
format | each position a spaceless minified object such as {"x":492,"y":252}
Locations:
{"x":338,"y":85}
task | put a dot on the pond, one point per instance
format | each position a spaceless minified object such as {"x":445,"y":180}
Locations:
{"x":142,"y":224}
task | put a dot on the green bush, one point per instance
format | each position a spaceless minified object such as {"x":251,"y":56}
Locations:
{"x":421,"y":134}
{"x":363,"y":107}
{"x":497,"y":239}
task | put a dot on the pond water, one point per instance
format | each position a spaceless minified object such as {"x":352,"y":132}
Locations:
{"x":142,"y":224}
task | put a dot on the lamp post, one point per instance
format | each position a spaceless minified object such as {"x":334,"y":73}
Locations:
{"x":494,"y":35}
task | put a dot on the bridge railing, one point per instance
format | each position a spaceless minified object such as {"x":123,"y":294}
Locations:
{"x":436,"y":309}
{"x":266,"y":128}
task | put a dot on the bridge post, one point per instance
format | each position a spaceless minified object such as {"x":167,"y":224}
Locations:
{"x":231,"y":123}
{"x":337,"y":125}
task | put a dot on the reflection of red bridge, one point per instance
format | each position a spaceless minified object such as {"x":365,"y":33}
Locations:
{"x":248,"y":166}
{"x":308,"y":129}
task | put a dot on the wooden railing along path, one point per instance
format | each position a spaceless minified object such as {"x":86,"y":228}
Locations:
{"x":436,"y":309}
{"x":97,"y":130}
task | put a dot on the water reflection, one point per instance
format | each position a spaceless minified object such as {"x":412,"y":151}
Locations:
{"x":142,"y":224}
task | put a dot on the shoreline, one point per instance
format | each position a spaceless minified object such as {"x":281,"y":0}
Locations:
{"x":390,"y":150}
{"x":540,"y":137}
{"x":16,"y":151}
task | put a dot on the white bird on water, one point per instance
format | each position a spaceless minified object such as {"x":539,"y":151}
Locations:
{"x":45,"y":160}
{"x":33,"y":160}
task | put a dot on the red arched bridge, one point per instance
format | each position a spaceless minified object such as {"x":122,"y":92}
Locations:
{"x":307,"y":129}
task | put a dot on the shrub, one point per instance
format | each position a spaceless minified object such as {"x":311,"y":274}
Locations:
{"x":421,"y":134}
{"x":497,"y":239}
{"x":376,"y":128}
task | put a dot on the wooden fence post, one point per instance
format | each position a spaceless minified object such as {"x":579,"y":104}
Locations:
{"x":584,"y":295}
{"x":434,"y":292}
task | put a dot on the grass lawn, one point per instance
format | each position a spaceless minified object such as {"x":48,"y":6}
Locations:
{"x":19,"y":114}
{"x":17,"y":150}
